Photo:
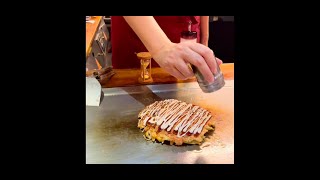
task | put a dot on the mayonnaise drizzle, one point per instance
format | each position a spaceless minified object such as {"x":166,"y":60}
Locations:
{"x":180,"y":116}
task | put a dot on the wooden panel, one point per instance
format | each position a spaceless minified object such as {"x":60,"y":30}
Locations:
{"x":91,"y":30}
{"x":129,"y":77}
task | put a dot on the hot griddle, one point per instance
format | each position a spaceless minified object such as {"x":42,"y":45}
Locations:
{"x":112,"y":136}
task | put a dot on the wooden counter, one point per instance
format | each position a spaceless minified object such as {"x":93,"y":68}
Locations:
{"x":129,"y":77}
{"x":91,"y":30}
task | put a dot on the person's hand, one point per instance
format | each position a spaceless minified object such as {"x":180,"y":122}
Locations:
{"x":174,"y":58}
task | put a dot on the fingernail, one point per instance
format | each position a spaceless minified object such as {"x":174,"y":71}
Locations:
{"x":211,"y":80}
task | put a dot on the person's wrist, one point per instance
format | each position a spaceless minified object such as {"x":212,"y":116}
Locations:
{"x":157,"y":51}
{"x":204,"y":43}
{"x":204,"y":40}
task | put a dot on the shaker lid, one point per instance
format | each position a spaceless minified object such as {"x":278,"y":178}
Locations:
{"x":144,"y":55}
{"x":189,"y":34}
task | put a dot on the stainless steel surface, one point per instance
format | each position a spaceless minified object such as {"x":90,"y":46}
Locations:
{"x":112,"y":135}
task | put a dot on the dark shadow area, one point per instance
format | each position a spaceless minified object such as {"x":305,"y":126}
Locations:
{"x":221,"y":40}
{"x":101,"y":97}
{"x":209,"y":133}
{"x":200,"y":160}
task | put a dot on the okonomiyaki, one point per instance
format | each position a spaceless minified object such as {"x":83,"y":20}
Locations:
{"x":175,"y":121}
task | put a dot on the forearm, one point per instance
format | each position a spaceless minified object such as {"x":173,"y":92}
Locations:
{"x":204,"y":30}
{"x":149,"y":32}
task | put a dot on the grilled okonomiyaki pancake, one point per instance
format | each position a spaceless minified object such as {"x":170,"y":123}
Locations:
{"x":175,"y":121}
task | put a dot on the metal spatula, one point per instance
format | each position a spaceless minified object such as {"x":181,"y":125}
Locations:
{"x":93,"y":92}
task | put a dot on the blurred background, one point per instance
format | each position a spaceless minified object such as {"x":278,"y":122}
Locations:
{"x":221,"y":38}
